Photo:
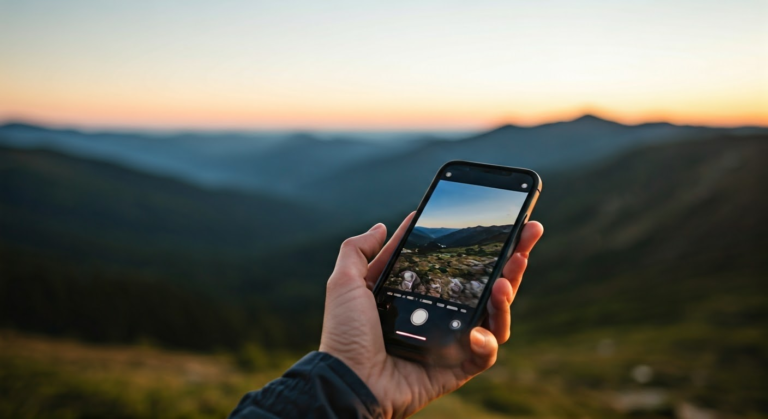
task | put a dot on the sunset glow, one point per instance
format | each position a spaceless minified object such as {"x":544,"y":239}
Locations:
{"x":420,"y":65}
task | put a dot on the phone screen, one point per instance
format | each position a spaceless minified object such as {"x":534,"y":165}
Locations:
{"x":447,"y":259}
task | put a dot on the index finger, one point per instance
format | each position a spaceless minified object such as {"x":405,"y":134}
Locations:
{"x":376,"y":267}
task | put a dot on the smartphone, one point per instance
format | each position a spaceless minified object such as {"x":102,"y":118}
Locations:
{"x":437,"y":283}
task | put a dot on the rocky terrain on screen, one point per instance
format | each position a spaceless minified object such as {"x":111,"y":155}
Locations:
{"x":457,"y":271}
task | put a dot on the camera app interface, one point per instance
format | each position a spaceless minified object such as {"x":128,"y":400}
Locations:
{"x":450,"y":254}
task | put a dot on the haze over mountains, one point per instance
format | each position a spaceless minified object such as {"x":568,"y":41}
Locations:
{"x":547,"y":148}
{"x":348,"y":175}
{"x":435,"y":231}
{"x":244,"y":161}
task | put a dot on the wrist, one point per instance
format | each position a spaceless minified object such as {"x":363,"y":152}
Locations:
{"x":363,"y":372}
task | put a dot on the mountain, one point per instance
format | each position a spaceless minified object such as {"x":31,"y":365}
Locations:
{"x":419,"y":237}
{"x":471,"y":236}
{"x":343,"y":172}
{"x":671,"y":204}
{"x":272,"y":162}
{"x":95,"y":250}
{"x":436,"y":231}
{"x":46,"y":194}
{"x":374,"y":186}
{"x":655,"y":259}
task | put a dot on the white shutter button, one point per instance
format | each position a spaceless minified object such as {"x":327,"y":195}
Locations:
{"x":419,"y":316}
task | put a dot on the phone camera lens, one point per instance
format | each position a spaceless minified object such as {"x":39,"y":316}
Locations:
{"x":448,"y":174}
{"x":524,"y":185}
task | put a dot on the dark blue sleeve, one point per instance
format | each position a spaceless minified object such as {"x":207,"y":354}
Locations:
{"x":318,"y":386}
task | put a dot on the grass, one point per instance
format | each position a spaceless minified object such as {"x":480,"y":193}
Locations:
{"x":582,"y":375}
{"x":593,"y":374}
{"x":44,"y":377}
{"x":711,"y":353}
{"x":58,"y":378}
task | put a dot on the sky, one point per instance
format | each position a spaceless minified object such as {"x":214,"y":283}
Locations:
{"x":459,"y":205}
{"x":381,"y":65}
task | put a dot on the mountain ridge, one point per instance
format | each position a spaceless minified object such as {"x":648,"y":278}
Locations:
{"x":329,"y":173}
{"x":547,"y":149}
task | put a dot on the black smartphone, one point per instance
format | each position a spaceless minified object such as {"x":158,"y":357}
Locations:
{"x":435,"y":287}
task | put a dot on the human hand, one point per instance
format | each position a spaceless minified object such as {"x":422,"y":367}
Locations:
{"x":352,"y":332}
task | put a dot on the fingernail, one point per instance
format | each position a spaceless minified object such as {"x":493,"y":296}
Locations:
{"x":477,"y":340}
{"x":377,"y":225}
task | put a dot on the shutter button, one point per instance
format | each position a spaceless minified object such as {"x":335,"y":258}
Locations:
{"x":419,"y":316}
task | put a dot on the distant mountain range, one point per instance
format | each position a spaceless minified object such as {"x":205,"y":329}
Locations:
{"x":435,"y":231}
{"x":549,"y":148}
{"x":472,"y":236}
{"x":273,"y":162}
{"x":419,"y":238}
{"x":455,"y":237}
{"x":95,"y":213}
{"x":347,"y":175}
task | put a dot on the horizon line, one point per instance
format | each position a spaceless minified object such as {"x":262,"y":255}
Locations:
{"x":469,"y":226}
{"x":342,"y":129}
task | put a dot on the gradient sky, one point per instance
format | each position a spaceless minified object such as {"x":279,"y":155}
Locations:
{"x":381,"y":65}
{"x":459,"y":205}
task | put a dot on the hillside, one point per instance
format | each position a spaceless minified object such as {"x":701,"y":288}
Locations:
{"x":249,"y":161}
{"x":372,"y":187}
{"x":689,"y":207}
{"x":655,"y":259}
{"x":471,"y":236}
{"x":46,"y":196}
{"x":436,"y":231}
{"x":347,"y":173}
{"x":98,"y":251}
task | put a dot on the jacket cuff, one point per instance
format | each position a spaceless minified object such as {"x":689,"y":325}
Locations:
{"x":353,"y":381}
{"x":318,"y":386}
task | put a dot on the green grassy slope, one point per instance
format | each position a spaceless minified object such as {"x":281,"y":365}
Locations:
{"x":654,"y":225}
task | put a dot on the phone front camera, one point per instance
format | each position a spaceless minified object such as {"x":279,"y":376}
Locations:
{"x":448,"y":174}
{"x":524,"y":185}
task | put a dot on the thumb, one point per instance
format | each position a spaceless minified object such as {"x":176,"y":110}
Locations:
{"x":357,"y":251}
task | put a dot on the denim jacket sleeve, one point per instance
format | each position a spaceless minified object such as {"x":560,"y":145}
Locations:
{"x":318,"y":386}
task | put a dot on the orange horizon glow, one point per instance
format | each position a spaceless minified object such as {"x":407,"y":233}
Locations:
{"x":148,"y":104}
{"x":122,"y":118}
{"x":424,"y":65}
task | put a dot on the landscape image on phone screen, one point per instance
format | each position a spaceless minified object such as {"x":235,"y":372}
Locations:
{"x":456,"y":242}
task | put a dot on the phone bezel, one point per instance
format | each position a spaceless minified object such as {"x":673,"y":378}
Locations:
{"x":480,"y":310}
